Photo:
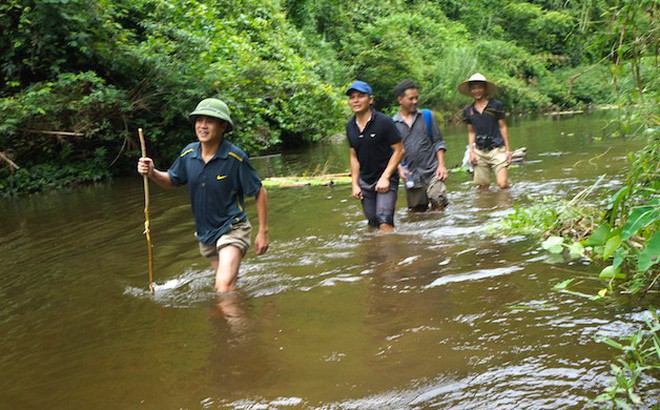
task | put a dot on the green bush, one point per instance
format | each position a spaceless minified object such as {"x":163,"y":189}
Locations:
{"x":538,"y":30}
{"x":82,"y":104}
{"x":592,"y":85}
{"x":521,"y":97}
{"x":103,"y":68}
{"x":46,"y":176}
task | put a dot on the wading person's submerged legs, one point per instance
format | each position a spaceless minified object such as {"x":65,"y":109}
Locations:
{"x":226,"y":268}
{"x":379,"y":207}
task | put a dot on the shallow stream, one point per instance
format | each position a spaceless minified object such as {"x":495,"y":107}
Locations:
{"x":439,"y":314}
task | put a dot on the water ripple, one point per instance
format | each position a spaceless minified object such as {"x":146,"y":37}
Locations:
{"x":475,"y":275}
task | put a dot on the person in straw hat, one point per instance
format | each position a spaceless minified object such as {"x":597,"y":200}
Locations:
{"x":218,"y":175}
{"x":488,"y":137}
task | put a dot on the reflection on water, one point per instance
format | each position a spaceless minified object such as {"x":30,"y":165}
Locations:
{"x":437,"y":314}
{"x":231,"y":307}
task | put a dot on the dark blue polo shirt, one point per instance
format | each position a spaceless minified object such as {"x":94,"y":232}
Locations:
{"x":486,"y":124}
{"x":373,"y":145}
{"x":216,"y":188}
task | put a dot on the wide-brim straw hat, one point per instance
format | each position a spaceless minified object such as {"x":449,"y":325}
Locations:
{"x":464,"y":87}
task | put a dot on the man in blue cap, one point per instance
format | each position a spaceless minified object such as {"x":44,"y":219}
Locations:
{"x":375,"y":152}
{"x":218,"y":175}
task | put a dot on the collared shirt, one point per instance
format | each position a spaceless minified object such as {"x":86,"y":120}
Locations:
{"x":486,"y":124}
{"x":216,"y":188}
{"x":373,"y":145}
{"x":421,"y":153}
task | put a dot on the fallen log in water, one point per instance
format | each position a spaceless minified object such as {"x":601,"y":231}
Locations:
{"x":317,"y":180}
{"x":518,"y":156}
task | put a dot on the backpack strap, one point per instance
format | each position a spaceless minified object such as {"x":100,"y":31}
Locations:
{"x":429,"y":123}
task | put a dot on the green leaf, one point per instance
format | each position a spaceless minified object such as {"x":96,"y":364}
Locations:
{"x":619,"y":256}
{"x":598,"y":236}
{"x":650,"y":255}
{"x":611,"y":272}
{"x":580,"y":294}
{"x":615,"y":345}
{"x":602,"y":293}
{"x":639,"y":218}
{"x":634,"y":397}
{"x":616,"y":198}
{"x":556,"y":249}
{"x":611,"y":246}
{"x":622,"y":404}
{"x":563,"y":285}
{"x":603,"y":398}
{"x":554,"y":258}
{"x":576,"y":250}
{"x":553,"y":244}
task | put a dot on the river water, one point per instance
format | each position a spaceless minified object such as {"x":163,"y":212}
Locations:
{"x":437,"y":315}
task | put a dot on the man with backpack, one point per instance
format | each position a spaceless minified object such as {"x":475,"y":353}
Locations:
{"x":423,"y":166}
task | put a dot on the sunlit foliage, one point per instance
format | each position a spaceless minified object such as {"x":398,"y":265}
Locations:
{"x":99,"y":69}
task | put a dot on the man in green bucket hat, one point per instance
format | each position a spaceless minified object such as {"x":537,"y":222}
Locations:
{"x":218,"y":175}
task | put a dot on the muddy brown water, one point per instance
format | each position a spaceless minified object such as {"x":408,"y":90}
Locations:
{"x":437,"y":315}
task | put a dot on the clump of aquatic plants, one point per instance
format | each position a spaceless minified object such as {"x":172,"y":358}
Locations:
{"x":532,"y":220}
{"x":626,"y":239}
{"x":620,"y":233}
{"x":640,"y":355}
{"x":622,"y":236}
{"x":572,"y":218}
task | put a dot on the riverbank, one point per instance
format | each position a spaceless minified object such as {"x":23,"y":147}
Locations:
{"x":48,"y":177}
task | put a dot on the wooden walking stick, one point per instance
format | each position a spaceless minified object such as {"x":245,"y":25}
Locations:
{"x":147,"y":230}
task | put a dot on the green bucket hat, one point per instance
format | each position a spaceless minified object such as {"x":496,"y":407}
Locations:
{"x":214,"y":108}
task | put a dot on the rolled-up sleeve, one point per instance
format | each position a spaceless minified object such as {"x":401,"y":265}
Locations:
{"x":250,"y":181}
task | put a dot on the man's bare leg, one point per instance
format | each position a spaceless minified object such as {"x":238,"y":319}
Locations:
{"x":502,"y":178}
{"x":385,"y":228}
{"x":226,"y":268}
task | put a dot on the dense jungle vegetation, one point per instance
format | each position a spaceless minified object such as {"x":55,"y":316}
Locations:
{"x":80,"y":76}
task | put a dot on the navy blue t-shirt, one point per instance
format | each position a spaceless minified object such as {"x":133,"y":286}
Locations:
{"x":373,"y":145}
{"x":486,"y":124}
{"x":216,"y":188}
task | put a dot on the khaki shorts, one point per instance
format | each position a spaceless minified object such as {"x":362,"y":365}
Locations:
{"x":487,"y":161}
{"x":238,"y":236}
{"x":435,"y":193}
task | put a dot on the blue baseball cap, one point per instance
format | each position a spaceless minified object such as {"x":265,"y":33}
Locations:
{"x":360,"y":86}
